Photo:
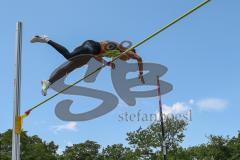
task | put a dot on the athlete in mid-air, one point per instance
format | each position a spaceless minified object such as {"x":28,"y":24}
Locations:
{"x":82,"y":54}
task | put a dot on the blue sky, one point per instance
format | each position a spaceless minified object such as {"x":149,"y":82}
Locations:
{"x":201,"y":53}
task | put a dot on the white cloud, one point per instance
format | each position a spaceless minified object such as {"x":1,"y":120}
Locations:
{"x":191,"y":101}
{"x":186,"y":107}
{"x":70,"y":126}
{"x":176,"y":108}
{"x":212,"y":104}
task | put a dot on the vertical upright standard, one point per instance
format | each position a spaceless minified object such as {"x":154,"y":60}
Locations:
{"x":17,"y":92}
{"x":164,"y":148}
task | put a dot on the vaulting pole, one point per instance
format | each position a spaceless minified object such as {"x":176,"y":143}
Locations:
{"x":17,"y":93}
{"x":114,"y":59}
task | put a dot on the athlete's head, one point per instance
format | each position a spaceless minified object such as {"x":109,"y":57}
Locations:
{"x":110,"y":45}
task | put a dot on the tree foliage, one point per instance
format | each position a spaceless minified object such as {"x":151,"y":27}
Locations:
{"x":145,"y":145}
{"x":32,"y":147}
{"x":88,"y":150}
{"x":150,"y":139}
{"x":118,"y":152}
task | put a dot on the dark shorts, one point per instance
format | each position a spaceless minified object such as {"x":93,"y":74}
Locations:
{"x":88,"y":47}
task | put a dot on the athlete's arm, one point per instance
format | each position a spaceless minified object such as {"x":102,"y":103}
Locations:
{"x":100,"y":59}
{"x":103,"y":61}
{"x":135,"y":56}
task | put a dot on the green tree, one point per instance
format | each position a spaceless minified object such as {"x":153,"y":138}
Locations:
{"x":32,"y":147}
{"x":234,"y":147}
{"x":218,"y":148}
{"x":118,"y":152}
{"x":5,"y":145}
{"x":142,"y":141}
{"x":88,"y":150}
{"x":199,"y":152}
{"x":145,"y":141}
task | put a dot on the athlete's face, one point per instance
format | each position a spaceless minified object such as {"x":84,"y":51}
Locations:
{"x":106,"y":46}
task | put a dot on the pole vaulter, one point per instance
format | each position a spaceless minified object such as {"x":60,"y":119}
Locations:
{"x":20,"y":118}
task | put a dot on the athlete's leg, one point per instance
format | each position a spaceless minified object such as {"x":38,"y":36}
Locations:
{"x":58,"y":74}
{"x":79,"y":57}
{"x":44,"y":39}
{"x":72,"y":64}
{"x":61,"y":49}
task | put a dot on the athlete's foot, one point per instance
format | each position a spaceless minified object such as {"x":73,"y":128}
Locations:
{"x":45,"y":86}
{"x":39,"y":38}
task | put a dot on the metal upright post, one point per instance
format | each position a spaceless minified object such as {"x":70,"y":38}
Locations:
{"x":164,"y":148}
{"x":17,"y":92}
